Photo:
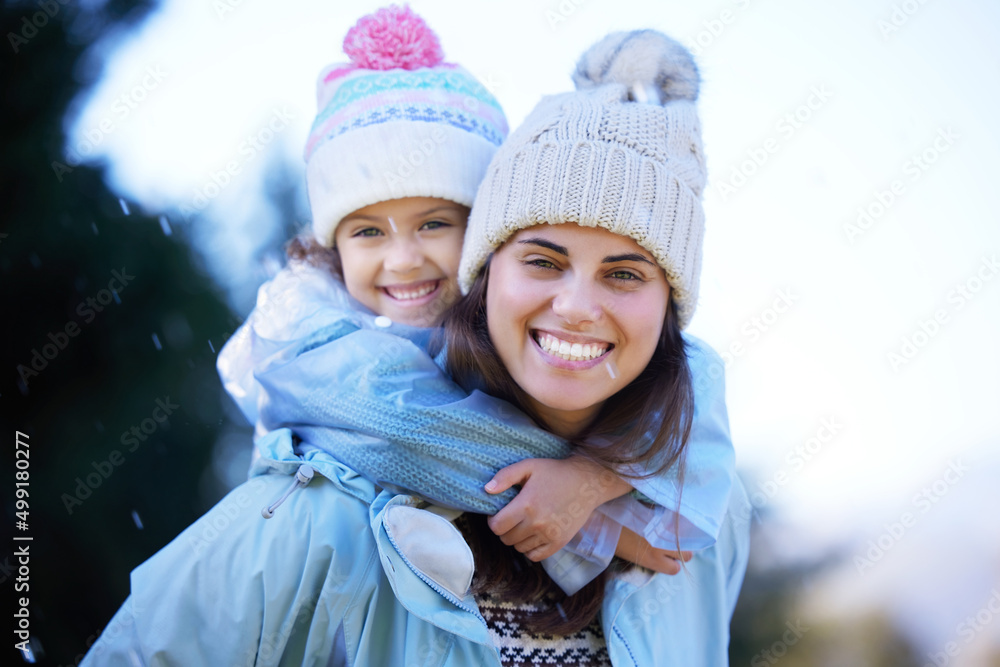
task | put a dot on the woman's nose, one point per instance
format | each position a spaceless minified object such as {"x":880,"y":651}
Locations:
{"x":403,"y":255}
{"x":577,"y":301}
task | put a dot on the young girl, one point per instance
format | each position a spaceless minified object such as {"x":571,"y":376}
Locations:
{"x":348,"y":571}
{"x":394,"y":242}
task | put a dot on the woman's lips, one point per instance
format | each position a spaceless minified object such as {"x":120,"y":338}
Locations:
{"x":580,"y":353}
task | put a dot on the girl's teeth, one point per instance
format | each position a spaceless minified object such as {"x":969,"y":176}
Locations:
{"x":406,"y":295}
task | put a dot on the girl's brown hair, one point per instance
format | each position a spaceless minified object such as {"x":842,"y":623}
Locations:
{"x":646,"y":424}
{"x":305,"y":248}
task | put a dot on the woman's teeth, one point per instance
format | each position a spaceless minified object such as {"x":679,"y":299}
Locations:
{"x":570,"y":351}
{"x":407,"y":294}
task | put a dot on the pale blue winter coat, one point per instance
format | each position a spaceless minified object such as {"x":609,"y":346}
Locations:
{"x":363,"y":389}
{"x":330,"y":580}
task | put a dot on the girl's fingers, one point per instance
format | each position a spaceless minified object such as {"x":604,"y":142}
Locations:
{"x":533,"y":543}
{"x":512,"y":475}
{"x":668,"y":565}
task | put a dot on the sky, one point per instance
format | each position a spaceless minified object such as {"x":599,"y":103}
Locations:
{"x":851,"y":273}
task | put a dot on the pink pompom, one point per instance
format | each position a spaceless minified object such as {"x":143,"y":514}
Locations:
{"x":391,"y":38}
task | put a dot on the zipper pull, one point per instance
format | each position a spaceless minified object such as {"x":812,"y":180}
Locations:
{"x":303,"y":476}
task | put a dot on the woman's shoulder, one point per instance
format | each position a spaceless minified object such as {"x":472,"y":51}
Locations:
{"x":701,"y":353}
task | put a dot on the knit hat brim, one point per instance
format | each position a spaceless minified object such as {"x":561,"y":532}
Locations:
{"x":370,"y":165}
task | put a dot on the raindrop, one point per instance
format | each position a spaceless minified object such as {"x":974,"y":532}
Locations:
{"x":23,"y":387}
{"x":93,"y":225}
{"x":156,"y":342}
{"x":611,"y":370}
{"x":165,"y":226}
{"x":35,"y":260}
{"x":136,"y":520}
{"x":383,"y":322}
{"x":392,"y":223}
{"x":211,"y":347}
{"x":99,"y":426}
{"x":118,"y":300}
{"x":562,"y":613}
{"x":124,"y":206}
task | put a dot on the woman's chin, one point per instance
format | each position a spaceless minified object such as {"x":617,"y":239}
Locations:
{"x":555,"y":405}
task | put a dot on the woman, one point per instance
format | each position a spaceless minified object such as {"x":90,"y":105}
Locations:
{"x":581,"y":266}
{"x":346,"y":574}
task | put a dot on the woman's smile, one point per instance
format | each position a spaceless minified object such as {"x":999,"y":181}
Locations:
{"x":570,"y":351}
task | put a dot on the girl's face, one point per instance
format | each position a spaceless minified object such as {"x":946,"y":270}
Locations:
{"x":575,"y":314}
{"x":400,"y":257}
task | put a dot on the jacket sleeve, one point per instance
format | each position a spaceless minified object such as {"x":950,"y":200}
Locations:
{"x":380,"y":405}
{"x":291,"y":307}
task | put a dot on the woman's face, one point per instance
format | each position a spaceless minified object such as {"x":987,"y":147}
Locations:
{"x":575,"y":314}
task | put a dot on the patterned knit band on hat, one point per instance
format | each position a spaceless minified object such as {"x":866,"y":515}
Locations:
{"x":622,"y":152}
{"x":396,"y":121}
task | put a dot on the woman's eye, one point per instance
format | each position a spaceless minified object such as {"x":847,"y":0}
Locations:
{"x":541,"y":263}
{"x":624,"y":275}
{"x":368,"y":231}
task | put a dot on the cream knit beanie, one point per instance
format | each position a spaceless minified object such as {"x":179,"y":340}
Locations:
{"x":623,"y":152}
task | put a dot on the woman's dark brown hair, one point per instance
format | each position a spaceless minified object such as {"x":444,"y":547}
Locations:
{"x":646,"y":424}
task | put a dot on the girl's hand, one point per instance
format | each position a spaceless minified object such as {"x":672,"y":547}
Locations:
{"x":557,"y":497}
{"x":636,"y":549}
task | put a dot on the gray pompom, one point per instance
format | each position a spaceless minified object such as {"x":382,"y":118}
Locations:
{"x":642,"y":60}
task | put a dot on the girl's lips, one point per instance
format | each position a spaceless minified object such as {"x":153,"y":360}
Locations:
{"x":589,"y":347}
{"x":413,"y":294}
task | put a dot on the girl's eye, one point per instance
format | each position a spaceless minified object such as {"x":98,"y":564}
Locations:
{"x":434,"y":224}
{"x":622,"y":274}
{"x":368,"y":231}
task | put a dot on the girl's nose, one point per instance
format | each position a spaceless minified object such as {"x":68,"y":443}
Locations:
{"x":403,"y":256}
{"x":577,"y":301}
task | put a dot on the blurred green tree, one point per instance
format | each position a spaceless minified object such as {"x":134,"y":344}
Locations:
{"x":108,"y":329}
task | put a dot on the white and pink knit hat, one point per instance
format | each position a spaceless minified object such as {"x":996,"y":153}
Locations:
{"x":396,"y":121}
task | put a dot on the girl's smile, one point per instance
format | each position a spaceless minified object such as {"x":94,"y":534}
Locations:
{"x":413,"y":294}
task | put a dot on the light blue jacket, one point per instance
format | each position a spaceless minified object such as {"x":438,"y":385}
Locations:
{"x":364,"y":389}
{"x":331,"y":580}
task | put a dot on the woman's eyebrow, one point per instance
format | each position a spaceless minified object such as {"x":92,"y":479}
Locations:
{"x":554,"y":247}
{"x":629,"y":257}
